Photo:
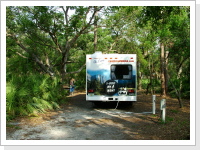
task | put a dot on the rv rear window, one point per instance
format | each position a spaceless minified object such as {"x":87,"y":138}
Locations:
{"x":121,"y":72}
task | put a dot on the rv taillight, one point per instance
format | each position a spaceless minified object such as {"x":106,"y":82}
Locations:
{"x":90,"y":91}
{"x":131,"y":91}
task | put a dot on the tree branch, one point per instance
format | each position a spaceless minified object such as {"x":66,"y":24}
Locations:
{"x":41,"y":42}
{"x":44,"y":67}
{"x":73,"y":40}
{"x":66,"y":13}
{"x":55,"y":40}
{"x":21,"y":55}
{"x":79,"y":70}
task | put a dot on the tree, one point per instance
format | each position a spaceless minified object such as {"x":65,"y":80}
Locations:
{"x":168,"y":21}
{"x":45,"y":32}
{"x":179,"y":51}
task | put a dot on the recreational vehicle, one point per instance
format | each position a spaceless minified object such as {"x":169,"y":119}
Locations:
{"x":111,"y":77}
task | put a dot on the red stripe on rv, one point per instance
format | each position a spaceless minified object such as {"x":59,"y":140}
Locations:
{"x":118,"y":61}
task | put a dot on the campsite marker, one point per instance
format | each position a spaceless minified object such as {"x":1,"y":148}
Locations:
{"x":154,"y":104}
{"x":163,"y":109}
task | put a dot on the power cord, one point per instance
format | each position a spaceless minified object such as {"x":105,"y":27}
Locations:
{"x":117,"y":105}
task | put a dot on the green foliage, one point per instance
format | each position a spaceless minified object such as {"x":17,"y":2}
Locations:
{"x":144,"y":83}
{"x":174,"y":111}
{"x":80,"y":80}
{"x":41,"y":40}
{"x":31,"y":94}
{"x":167,"y":120}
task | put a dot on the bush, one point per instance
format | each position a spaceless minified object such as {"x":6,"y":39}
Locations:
{"x":144,"y":83}
{"x":31,"y":94}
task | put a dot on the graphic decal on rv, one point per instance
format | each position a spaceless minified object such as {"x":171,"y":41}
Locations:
{"x":117,"y":81}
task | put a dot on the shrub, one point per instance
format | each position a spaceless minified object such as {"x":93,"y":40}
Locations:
{"x":31,"y":94}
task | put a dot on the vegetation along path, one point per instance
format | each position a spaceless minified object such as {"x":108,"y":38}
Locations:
{"x":81,"y":120}
{"x":46,"y":47}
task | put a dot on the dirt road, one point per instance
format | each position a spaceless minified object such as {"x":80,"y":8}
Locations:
{"x":81,"y":120}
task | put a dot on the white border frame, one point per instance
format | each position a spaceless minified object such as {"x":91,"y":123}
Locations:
{"x":98,"y":142}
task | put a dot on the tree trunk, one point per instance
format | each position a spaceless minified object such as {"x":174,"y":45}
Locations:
{"x":166,"y":71}
{"x":162,"y":68}
{"x":139,"y":76}
{"x":178,"y":94}
{"x":95,"y":28}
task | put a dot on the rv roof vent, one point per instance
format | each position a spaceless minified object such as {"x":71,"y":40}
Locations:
{"x":97,"y":54}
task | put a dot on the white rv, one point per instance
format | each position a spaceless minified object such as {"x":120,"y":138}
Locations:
{"x":111,"y":77}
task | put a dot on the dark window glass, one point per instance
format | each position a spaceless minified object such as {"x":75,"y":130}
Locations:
{"x":121,"y":72}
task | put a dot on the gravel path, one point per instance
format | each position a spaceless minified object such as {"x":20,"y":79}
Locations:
{"x":80,"y":120}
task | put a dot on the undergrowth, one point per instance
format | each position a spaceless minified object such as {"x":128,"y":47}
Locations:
{"x":32,"y":94}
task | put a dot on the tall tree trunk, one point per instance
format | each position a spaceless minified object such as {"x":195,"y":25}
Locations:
{"x":139,"y":76}
{"x":150,"y":85}
{"x":162,"y":68}
{"x":95,"y":28}
{"x":166,"y":71}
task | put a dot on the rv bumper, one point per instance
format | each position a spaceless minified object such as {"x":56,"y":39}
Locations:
{"x":113,"y":98}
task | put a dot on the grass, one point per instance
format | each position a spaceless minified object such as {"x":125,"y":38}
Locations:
{"x":13,"y":126}
{"x":167,"y":120}
{"x":174,"y":111}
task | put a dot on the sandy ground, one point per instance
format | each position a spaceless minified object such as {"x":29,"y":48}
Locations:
{"x":81,"y":120}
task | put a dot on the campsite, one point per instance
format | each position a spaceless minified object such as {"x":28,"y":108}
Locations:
{"x":89,"y":72}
